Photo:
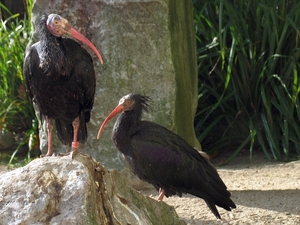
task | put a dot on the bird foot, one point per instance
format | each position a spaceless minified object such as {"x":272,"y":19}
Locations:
{"x":64,"y":154}
{"x":47,"y":155}
{"x":73,"y":153}
{"x":75,"y":146}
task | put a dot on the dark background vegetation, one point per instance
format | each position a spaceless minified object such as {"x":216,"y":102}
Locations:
{"x":248,"y":69}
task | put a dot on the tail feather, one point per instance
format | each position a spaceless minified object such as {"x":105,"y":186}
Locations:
{"x":211,"y":188}
{"x":221,"y":201}
{"x":213,"y":208}
{"x":82,"y":133}
{"x":65,"y":132}
{"x":224,"y":202}
{"x":213,"y":197}
{"x":218,"y":195}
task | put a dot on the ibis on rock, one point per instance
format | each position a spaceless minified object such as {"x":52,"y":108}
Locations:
{"x":60,"y":79}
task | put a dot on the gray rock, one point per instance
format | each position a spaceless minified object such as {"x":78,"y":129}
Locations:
{"x":58,"y":190}
{"x":148,"y":47}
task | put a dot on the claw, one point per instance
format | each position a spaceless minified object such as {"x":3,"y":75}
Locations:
{"x":46,"y":155}
{"x":73,"y":153}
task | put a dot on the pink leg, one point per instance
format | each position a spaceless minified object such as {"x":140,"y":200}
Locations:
{"x":75,"y":143}
{"x":161,"y":194}
{"x":49,"y":130}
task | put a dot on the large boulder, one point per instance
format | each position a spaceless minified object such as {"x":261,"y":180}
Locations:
{"x":148,"y":47}
{"x":59,"y":190}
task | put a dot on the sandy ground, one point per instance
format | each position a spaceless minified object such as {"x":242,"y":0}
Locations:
{"x":264,"y":192}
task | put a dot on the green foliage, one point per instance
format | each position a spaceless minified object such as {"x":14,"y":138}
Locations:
{"x":248,"y":66}
{"x":16,"y":112}
{"x":16,"y":162}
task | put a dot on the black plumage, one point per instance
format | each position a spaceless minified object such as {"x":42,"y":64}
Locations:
{"x":162,"y":158}
{"x":60,"y":79}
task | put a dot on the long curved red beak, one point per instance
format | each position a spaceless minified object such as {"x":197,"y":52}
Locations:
{"x":113,"y":113}
{"x":76,"y":34}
